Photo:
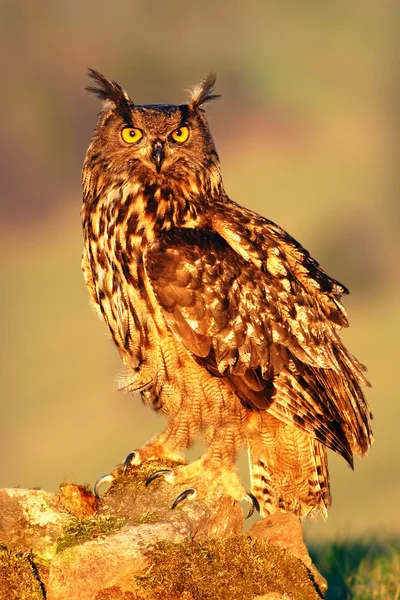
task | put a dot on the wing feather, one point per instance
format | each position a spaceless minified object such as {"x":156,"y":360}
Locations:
{"x":271,"y":337}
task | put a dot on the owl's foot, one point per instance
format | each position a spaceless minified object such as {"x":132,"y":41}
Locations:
{"x":136,"y":458}
{"x":191,"y":493}
{"x":205,"y":477}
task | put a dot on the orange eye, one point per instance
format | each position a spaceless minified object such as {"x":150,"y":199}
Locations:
{"x":130,"y":135}
{"x":180,"y":135}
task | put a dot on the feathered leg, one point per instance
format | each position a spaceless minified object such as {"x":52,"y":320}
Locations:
{"x":289,"y":469}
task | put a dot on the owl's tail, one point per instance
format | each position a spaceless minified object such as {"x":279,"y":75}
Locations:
{"x":288,"y":468}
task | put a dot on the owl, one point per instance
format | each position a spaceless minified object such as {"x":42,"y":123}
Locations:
{"x":224,"y":323}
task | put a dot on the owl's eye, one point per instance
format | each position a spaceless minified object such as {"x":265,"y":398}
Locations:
{"x":180,"y":135}
{"x":131,"y":135}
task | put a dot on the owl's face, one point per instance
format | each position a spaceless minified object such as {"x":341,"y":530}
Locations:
{"x":159,"y":140}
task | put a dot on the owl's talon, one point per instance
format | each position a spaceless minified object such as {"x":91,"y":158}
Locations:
{"x":157,"y":474}
{"x":252,"y":500}
{"x":129,"y":460}
{"x":101,"y":480}
{"x":183,"y":496}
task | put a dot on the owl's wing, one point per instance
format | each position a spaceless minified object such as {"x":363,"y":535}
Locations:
{"x":267,"y":335}
{"x":272,"y":249}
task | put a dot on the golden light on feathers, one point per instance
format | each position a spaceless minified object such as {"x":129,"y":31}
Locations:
{"x":203,"y":92}
{"x":222,"y":320}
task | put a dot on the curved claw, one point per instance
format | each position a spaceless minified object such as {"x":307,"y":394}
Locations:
{"x":101,"y":480}
{"x":252,"y":500}
{"x":183,"y":496}
{"x":156,"y":474}
{"x":128,"y":460}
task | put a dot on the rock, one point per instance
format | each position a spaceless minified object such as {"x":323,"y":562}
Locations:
{"x":78,"y":500}
{"x":88,"y":570}
{"x":31,"y":520}
{"x":18,"y":577}
{"x":134,"y":547}
{"x":226,"y":569}
{"x":284,"y":530}
{"x":112,"y":563}
{"x":273,"y":596}
{"x":129,"y":498}
{"x":281,"y":529}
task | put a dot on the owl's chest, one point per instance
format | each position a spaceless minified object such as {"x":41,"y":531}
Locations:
{"x":121,"y":287}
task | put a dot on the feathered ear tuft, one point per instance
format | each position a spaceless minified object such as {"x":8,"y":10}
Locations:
{"x":202,"y":92}
{"x":108,"y":91}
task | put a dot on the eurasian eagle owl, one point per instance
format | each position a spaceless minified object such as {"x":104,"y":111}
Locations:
{"x":222,"y":320}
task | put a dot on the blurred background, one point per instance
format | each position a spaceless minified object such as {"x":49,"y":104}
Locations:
{"x":307,"y":130}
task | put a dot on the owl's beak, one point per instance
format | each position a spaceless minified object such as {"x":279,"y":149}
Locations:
{"x":158,"y":156}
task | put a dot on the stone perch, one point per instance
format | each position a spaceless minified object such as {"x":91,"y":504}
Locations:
{"x":130,"y":545}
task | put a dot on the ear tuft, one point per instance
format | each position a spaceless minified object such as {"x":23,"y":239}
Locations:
{"x":108,"y":91}
{"x":202,"y":92}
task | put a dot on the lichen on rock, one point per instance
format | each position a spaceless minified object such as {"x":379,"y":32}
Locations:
{"x":31,"y":520}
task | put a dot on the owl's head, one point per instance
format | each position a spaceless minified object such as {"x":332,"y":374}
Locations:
{"x":153,"y":141}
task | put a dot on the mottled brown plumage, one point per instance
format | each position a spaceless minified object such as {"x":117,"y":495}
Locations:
{"x":222,"y":320}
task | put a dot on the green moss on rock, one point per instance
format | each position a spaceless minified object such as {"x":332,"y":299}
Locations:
{"x":149,"y":517}
{"x":227,"y":569}
{"x":81,"y":530}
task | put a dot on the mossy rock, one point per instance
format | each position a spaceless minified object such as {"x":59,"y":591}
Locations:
{"x":19,"y":578}
{"x":78,"y":531}
{"x":226,"y":569}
